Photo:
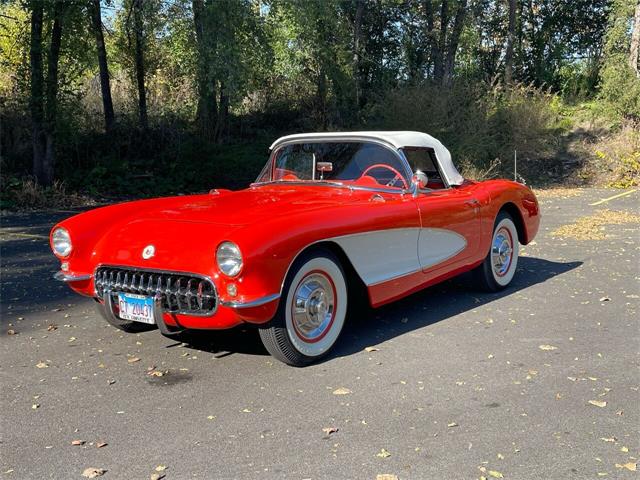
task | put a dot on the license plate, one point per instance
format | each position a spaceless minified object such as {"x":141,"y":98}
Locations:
{"x":136,"y":307}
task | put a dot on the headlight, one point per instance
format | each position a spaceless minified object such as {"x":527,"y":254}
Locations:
{"x":61,"y":242}
{"x":229,"y":259}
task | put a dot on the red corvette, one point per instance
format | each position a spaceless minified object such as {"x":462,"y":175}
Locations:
{"x":331,"y":215}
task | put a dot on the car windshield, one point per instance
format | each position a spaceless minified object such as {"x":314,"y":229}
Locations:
{"x":361,"y":163}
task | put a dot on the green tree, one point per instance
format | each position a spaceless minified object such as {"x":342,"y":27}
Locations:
{"x":620,"y":87}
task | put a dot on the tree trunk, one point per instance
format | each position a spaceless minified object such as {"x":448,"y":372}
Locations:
{"x":454,"y":40}
{"x":322,"y":98}
{"x":105,"y":84}
{"x":207,"y":109}
{"x":635,"y":42}
{"x":431,"y":35}
{"x":511,"y":32}
{"x":37,"y":91}
{"x":139,"y":54}
{"x":357,"y":24}
{"x":51,"y":93}
{"x":438,"y":64}
{"x":222,"y":121}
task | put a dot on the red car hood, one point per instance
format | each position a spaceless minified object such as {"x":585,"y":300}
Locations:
{"x":188,"y":229}
{"x":243,"y":207}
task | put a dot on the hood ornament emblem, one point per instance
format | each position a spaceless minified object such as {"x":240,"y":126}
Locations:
{"x":148,"y":252}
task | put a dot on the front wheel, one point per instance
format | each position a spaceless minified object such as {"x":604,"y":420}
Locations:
{"x":312,"y":310}
{"x":499,"y":266}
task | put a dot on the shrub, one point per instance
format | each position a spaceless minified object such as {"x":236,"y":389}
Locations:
{"x":26,"y":194}
{"x":482,"y":127}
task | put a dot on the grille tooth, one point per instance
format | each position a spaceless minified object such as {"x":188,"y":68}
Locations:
{"x":199,"y":297}
{"x":179,"y":292}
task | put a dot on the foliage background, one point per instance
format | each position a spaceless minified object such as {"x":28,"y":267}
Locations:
{"x":264,"y":68}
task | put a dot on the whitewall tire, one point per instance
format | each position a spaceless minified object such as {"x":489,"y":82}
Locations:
{"x":499,"y":266}
{"x":312,"y":310}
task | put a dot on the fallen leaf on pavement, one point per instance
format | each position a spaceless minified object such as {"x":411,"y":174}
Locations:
{"x":77,"y":442}
{"x":35,"y":406}
{"x":624,"y":449}
{"x":93,"y":472}
{"x":101,"y":444}
{"x":383,"y":453}
{"x":161,"y":468}
{"x":631,"y":466}
{"x":605,"y":299}
{"x":11,"y":331}
{"x":547,"y":347}
{"x":598,"y":403}
{"x":452,"y":424}
{"x":605,"y":439}
{"x":386,"y":476}
{"x":42,"y":365}
{"x":329,"y":430}
{"x":495,"y":474}
{"x":370,"y":349}
{"x":342,"y":391}
{"x":52,"y":327}
{"x":133,"y":360}
{"x":211,"y":417}
{"x":157,"y":476}
{"x":155,"y":373}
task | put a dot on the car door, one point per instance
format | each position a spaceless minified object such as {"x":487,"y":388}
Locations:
{"x":449,"y":217}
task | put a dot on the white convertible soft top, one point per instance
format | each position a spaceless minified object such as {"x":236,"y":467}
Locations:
{"x":399,"y":139}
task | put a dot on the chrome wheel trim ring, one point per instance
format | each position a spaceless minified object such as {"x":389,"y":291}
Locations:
{"x":504,"y":260}
{"x":501,"y":251}
{"x":329,"y":336}
{"x":313,"y":306}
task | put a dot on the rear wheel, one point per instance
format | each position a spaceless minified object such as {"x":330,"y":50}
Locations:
{"x":499,"y":266}
{"x":312,"y":310}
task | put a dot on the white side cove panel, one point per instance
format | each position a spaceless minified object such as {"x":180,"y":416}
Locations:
{"x":435,"y":245}
{"x":382,"y":255}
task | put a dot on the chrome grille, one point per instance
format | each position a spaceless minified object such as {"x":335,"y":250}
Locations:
{"x":180,"y":292}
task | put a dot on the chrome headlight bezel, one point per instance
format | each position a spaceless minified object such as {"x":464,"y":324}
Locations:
{"x":229,"y":259}
{"x":61,"y":242}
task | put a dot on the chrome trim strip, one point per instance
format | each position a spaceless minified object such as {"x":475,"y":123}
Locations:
{"x":71,"y":277}
{"x":390,"y":279}
{"x":253,"y":303}
{"x":321,"y":183}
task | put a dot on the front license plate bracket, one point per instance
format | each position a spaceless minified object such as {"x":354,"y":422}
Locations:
{"x":136,"y":308}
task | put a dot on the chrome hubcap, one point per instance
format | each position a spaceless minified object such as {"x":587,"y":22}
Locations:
{"x":313,"y":307}
{"x":501,"y":252}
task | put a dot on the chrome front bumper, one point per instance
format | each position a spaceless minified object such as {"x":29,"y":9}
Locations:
{"x":71,"y":277}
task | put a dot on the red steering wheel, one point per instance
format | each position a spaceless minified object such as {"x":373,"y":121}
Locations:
{"x":398,"y":175}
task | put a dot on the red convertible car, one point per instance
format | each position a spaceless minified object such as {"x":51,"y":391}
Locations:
{"x":331,"y":216}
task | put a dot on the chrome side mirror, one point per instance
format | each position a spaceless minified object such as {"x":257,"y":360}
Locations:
{"x":420,"y":180}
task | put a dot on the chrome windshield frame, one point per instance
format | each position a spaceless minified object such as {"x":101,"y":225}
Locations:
{"x":332,"y":183}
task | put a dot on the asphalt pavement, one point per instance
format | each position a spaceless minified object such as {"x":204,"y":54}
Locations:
{"x":539,"y":381}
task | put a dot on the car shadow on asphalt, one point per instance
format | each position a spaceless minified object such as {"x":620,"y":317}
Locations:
{"x":375,"y":326}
